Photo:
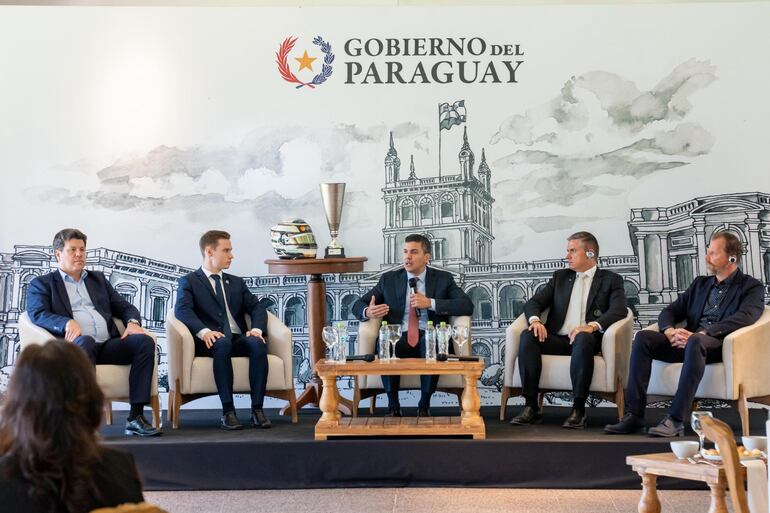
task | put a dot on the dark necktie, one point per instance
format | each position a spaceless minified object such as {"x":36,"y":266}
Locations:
{"x":221,"y":300}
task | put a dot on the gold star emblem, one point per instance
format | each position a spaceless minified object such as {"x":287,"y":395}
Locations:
{"x":305,"y":61}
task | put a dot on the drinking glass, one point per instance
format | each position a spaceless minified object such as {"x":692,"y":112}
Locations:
{"x":395,"y":336}
{"x":460,"y":334}
{"x":695,"y":424}
{"x":329,"y":335}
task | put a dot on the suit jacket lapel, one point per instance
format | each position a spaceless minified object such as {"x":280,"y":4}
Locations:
{"x":593,"y":290}
{"x":206,"y":283}
{"x":430,"y":283}
{"x":228,"y":292}
{"x":399,"y":290}
{"x":96,"y":295}
{"x":61,"y":290}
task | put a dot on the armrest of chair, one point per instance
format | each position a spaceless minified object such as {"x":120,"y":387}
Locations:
{"x":181,"y":351}
{"x":462,"y":320}
{"x":616,"y":347}
{"x":512,"y":334}
{"x":279,"y":343}
{"x":30,"y":333}
{"x":745,"y":353}
{"x":368,"y":331}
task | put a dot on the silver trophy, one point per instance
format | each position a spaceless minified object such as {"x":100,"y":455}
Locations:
{"x":333,"y":194}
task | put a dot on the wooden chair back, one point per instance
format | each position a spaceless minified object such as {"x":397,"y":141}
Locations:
{"x":721,"y":434}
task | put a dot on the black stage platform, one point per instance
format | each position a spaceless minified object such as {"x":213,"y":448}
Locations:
{"x":200,"y":456}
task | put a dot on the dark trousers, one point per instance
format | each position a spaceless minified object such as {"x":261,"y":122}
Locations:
{"x":138,"y":351}
{"x":581,"y":367}
{"x":652,"y":345}
{"x":222,"y":352}
{"x":391,"y":384}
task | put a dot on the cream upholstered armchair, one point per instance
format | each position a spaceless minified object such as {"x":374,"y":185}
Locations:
{"x":112,"y":379}
{"x":371,"y":386}
{"x":610,"y":365}
{"x":191,"y":377}
{"x":741,"y":376}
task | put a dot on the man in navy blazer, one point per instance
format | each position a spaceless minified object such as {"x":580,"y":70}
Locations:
{"x":583,"y":301}
{"x":712,"y":307}
{"x":78,"y":305}
{"x":436,"y":298}
{"x":213,"y":305}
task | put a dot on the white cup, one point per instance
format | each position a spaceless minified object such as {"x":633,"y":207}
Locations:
{"x":754,"y":442}
{"x":684,"y":450}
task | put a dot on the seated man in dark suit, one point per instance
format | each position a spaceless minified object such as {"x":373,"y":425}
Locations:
{"x":78,"y":305}
{"x":583,"y":302}
{"x":213,"y":305}
{"x":713,"y":307}
{"x":436,"y":298}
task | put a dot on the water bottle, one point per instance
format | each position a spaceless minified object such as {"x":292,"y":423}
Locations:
{"x":430,"y":342}
{"x":382,"y":352}
{"x":443,"y":338}
{"x":342,"y":342}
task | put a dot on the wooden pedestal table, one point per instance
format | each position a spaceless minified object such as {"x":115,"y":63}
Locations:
{"x":650,"y":466}
{"x":316,"y":312}
{"x":331,"y":423}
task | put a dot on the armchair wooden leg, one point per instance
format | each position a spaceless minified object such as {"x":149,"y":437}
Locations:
{"x":743,"y":410}
{"x":373,"y":404}
{"x":356,"y":397}
{"x":177,"y":404}
{"x":108,"y":412}
{"x":505,"y":394}
{"x":155,"y":405}
{"x":293,"y":405}
{"x":620,"y":398}
{"x":170,"y":410}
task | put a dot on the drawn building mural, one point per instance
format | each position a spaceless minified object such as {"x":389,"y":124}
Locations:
{"x":454,"y":211}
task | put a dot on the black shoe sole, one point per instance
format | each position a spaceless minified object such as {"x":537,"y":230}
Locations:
{"x":131,"y":432}
{"x":261,"y":426}
{"x":535,"y":420}
{"x":231,"y":428}
{"x":656,"y":435}
{"x":582,"y":425}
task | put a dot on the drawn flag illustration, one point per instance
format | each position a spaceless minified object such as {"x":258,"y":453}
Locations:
{"x":448,"y":116}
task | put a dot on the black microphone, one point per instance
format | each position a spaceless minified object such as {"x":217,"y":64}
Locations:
{"x":360,"y":358}
{"x":413,"y":290}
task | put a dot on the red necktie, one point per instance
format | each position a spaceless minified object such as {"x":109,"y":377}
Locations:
{"x":413,"y":333}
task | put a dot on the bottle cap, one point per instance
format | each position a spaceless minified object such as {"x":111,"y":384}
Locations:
{"x":430,"y":323}
{"x":384,"y":323}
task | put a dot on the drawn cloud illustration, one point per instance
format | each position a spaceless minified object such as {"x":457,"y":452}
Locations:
{"x":594,"y":142}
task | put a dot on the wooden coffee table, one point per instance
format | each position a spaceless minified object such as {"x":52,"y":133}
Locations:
{"x":650,"y":466}
{"x":332,"y":423}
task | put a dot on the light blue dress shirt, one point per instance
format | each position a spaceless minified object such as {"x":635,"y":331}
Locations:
{"x":85,"y":314}
{"x":423,"y":321}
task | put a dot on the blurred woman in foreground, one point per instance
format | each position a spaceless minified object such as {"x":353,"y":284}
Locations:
{"x":50,"y":456}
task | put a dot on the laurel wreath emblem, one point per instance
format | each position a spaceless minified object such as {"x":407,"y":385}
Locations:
{"x":286,"y":73}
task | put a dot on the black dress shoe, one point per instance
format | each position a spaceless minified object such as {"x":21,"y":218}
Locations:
{"x":423,"y":411}
{"x":576,"y":420}
{"x":140,"y":427}
{"x":230,"y":421}
{"x":258,"y":419}
{"x":393,"y":411}
{"x":667,"y":428}
{"x":528,"y":415}
{"x":628,"y":425}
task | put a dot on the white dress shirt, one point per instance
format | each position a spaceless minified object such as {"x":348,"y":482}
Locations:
{"x":576,"y":311}
{"x":233,"y":325}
